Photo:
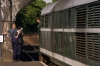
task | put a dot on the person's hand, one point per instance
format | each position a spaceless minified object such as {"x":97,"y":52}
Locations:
{"x":4,"y":33}
{"x":16,"y":36}
{"x":18,"y":31}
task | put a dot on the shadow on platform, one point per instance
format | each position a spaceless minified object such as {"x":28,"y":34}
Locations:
{"x":30,"y":53}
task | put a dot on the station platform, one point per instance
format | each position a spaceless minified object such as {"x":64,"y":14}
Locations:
{"x":19,"y":63}
{"x":28,"y":53}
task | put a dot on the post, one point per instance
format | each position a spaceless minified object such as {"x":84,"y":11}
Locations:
{"x":10,"y":12}
{"x":0,"y":33}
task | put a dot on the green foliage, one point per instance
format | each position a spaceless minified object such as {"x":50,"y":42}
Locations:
{"x":28,"y":15}
{"x":48,"y":3}
{"x":54,"y":0}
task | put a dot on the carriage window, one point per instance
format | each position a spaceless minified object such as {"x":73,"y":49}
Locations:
{"x":59,"y":22}
{"x":42,"y":21}
{"x":49,"y":23}
{"x":65,"y":19}
{"x":56,"y":20}
{"x":69,"y":18}
{"x":46,"y":21}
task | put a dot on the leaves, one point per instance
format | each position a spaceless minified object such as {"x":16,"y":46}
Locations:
{"x":54,"y":0}
{"x":28,"y":15}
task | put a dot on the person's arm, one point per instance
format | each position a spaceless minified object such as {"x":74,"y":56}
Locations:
{"x":6,"y":32}
{"x":18,"y":32}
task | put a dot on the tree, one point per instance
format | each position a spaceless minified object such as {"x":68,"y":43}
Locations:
{"x":48,"y":3}
{"x":26,"y":17}
{"x":54,"y":0}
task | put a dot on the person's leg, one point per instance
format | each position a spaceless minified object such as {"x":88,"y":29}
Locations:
{"x":14,"y":51}
{"x":19,"y":50}
{"x":12,"y":45}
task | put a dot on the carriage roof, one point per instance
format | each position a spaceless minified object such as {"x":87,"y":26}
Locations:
{"x":64,"y":4}
{"x":48,"y":8}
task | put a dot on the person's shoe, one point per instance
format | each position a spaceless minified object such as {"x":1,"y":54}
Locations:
{"x":15,"y":60}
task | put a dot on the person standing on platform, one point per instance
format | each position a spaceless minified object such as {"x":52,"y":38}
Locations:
{"x":14,"y":34}
{"x":38,"y":21}
{"x":20,"y":43}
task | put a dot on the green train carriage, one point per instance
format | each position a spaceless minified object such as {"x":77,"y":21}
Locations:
{"x":70,"y":32}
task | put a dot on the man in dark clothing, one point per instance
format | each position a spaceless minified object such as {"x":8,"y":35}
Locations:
{"x":16,"y":46}
{"x":20,"y":43}
{"x":38,"y":21}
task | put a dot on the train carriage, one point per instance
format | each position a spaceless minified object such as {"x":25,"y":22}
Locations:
{"x":70,"y":32}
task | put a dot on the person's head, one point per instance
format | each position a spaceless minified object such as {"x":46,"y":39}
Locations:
{"x":13,"y":26}
{"x":21,"y":28}
{"x":38,"y":20}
